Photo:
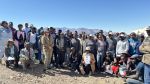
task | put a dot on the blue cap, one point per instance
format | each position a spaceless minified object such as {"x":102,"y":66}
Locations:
{"x":135,"y":56}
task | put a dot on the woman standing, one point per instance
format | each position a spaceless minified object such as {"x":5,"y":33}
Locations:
{"x":101,"y":50}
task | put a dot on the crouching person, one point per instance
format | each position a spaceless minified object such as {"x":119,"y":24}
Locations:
{"x":11,"y":54}
{"x":88,"y":62}
{"x":26,"y":56}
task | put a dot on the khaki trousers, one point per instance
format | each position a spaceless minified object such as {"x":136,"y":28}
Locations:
{"x":47,"y":59}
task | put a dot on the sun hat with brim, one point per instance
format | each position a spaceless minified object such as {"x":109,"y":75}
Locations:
{"x":87,"y":48}
{"x":27,"y":43}
{"x":10,"y":40}
{"x":135,"y":56}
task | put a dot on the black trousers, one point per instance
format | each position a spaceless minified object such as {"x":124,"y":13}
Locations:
{"x":87,"y":68}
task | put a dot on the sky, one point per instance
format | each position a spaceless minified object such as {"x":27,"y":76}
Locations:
{"x":115,"y":15}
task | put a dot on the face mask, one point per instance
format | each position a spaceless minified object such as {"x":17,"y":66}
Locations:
{"x":121,"y":38}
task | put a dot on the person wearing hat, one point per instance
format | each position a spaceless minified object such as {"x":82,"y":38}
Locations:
{"x":47,"y":49}
{"x":122,"y":45}
{"x":26,"y":56}
{"x":11,"y":51}
{"x":90,"y":42}
{"x":88,"y":62}
{"x":136,"y":69}
{"x":133,"y":44}
{"x":145,"y":48}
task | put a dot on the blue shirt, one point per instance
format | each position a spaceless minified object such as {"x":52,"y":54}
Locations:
{"x":133,"y":46}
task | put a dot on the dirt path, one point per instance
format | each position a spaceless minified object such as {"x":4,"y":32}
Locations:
{"x":54,"y":76}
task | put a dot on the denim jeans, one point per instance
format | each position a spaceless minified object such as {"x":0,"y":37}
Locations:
{"x":133,"y":81}
{"x":146,"y":74}
{"x":100,"y":59}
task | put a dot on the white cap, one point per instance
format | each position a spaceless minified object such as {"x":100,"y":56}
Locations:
{"x":123,"y":35}
{"x":90,"y":35}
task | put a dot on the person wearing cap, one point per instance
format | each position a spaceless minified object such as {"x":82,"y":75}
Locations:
{"x":137,"y":70}
{"x":111,"y":44}
{"x":145,"y":48}
{"x":47,"y":49}
{"x":133,"y":44}
{"x":122,"y":45}
{"x":88,"y":62}
{"x":26,"y":56}
{"x":11,"y":51}
{"x":5,"y":35}
{"x":90,"y":42}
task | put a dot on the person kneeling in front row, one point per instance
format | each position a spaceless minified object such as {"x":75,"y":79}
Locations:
{"x":88,"y":62}
{"x":26,"y":56}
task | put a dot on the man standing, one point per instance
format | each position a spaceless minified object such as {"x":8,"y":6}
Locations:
{"x":12,"y":28}
{"x":27,"y":30}
{"x":133,"y":44}
{"x":47,"y":47}
{"x":111,"y":44}
{"x":61,"y":46}
{"x":145,"y":48}
{"x":122,"y":45}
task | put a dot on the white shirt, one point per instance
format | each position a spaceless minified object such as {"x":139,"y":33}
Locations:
{"x":26,"y":30}
{"x":122,"y":47}
{"x":87,"y":59}
{"x":32,"y":38}
{"x":12,"y":50}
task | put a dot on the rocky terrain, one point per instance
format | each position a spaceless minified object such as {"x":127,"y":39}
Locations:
{"x":53,"y":76}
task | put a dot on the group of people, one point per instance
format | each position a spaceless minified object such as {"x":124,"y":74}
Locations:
{"x":88,"y":54}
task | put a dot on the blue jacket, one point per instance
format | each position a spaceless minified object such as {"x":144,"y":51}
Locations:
{"x":133,"y":46}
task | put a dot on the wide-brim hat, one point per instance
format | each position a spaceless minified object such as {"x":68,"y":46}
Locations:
{"x":10,"y":40}
{"x":88,"y":48}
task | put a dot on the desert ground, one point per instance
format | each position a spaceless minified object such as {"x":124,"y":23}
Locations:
{"x":35,"y":75}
